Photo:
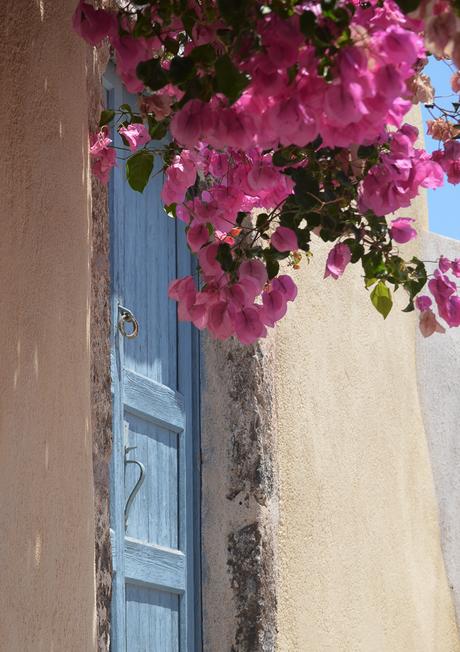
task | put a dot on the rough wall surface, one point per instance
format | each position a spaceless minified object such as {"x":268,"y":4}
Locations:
{"x":438,"y":366}
{"x":101,"y":399}
{"x":47,"y":601}
{"x":239,"y":502}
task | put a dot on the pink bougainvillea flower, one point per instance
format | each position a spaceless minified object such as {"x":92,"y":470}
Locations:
{"x":441,"y":287}
{"x":103,"y":164}
{"x":444,"y":264}
{"x":91,"y":24}
{"x":449,"y":160}
{"x":453,"y":309}
{"x":401,"y":230}
{"x":455,"y":82}
{"x":103,"y":156}
{"x":286,"y":286}
{"x":429,"y":324}
{"x":274,"y":306}
{"x":338,"y":258}
{"x":197,"y":236}
{"x":248,"y":325}
{"x":136,"y":134}
{"x":187,"y":124}
{"x":220,"y":322}
{"x":284,"y":239}
{"x":99,"y":142}
{"x":179,"y":176}
{"x":423,"y":302}
{"x":255,"y":271}
{"x":456,"y":267}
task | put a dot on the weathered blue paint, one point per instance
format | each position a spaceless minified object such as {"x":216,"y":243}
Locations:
{"x":156,"y":602}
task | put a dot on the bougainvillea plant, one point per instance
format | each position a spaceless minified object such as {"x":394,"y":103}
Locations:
{"x":286,"y":123}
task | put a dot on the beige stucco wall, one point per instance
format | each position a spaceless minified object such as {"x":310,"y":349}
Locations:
{"x":345,"y":533}
{"x":47,"y":598}
{"x":360,"y":561}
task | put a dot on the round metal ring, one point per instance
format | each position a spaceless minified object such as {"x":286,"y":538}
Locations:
{"x":127,"y":318}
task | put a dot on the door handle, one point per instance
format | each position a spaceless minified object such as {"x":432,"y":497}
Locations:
{"x":137,"y":486}
{"x":127,"y":317}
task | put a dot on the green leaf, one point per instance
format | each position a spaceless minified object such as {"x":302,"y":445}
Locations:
{"x":273,"y":267}
{"x":172,"y":45}
{"x":373,"y":264}
{"x":232,"y":11}
{"x":143,"y":26}
{"x":308,"y":23}
{"x":262,"y":221}
{"x":356,"y":248}
{"x":152,"y":74}
{"x":181,"y":69}
{"x":408,"y":5}
{"x":170,"y":209}
{"x":287,"y":156}
{"x":203,"y":54}
{"x":367,"y":151}
{"x":381,"y":299}
{"x":106,"y":116}
{"x":410,"y":307}
{"x":229,"y":80}
{"x":138,"y":170}
{"x":224,"y":257}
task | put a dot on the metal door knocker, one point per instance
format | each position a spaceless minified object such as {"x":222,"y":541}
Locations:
{"x":127,"y":317}
{"x":138,"y":484}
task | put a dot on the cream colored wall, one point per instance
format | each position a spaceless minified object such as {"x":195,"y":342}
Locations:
{"x":46,"y":507}
{"x":360,"y":561}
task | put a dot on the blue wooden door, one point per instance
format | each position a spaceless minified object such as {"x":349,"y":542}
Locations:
{"x":155,"y":379}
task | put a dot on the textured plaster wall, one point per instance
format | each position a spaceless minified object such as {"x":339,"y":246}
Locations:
{"x":438,"y":366}
{"x":314,"y":445}
{"x":239,"y":504}
{"x":101,"y":398}
{"x":47,"y":599}
{"x":360,"y":561}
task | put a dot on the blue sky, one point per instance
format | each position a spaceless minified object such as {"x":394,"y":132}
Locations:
{"x":443,"y":202}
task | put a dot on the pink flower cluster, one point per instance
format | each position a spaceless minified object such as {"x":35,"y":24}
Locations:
{"x":103,"y":156}
{"x":94,"y":25}
{"x":231,"y":181}
{"x":449,"y":160}
{"x":444,"y":291}
{"x":230,"y":309}
{"x":395,"y":181}
{"x":366,"y":94}
{"x":442,"y":28}
{"x":223,"y":164}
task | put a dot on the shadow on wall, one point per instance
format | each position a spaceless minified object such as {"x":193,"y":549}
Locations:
{"x":438,"y":367}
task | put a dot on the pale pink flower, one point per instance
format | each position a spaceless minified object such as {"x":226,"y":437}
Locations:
{"x":179,"y":176}
{"x":284,"y":239}
{"x":337,"y":260}
{"x":455,"y":82}
{"x":429,"y":324}
{"x":136,"y":134}
{"x":401,"y":230}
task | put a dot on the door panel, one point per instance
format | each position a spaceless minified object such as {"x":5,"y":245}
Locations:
{"x":158,"y":449}
{"x":155,"y":377}
{"x":154,"y":616}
